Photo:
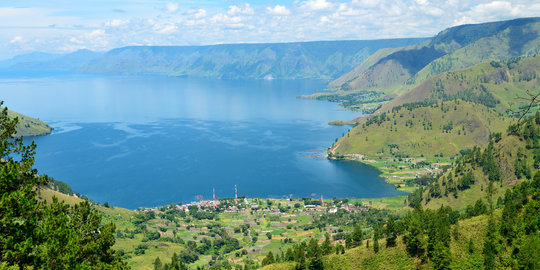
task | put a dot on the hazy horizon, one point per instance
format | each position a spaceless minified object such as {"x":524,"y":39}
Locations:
{"x":65,"y":26}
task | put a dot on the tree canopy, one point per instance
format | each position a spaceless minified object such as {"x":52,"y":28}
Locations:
{"x":36,"y":235}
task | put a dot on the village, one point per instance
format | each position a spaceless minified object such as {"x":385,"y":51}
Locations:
{"x":246,"y":205}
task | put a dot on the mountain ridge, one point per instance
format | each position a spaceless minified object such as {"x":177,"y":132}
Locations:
{"x":395,"y":71}
{"x":293,"y":60}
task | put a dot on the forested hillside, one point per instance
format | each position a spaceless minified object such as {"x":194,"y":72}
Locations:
{"x":511,"y":157}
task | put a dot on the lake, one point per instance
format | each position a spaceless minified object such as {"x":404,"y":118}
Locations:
{"x":149,"y":141}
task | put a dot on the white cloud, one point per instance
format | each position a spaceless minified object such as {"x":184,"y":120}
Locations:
{"x":244,"y":9}
{"x":317,"y":5}
{"x":75,"y":40}
{"x":17,"y":39}
{"x":324,"y":19}
{"x":165,"y":29}
{"x":366,"y":3}
{"x":168,"y":24}
{"x":96,"y":33}
{"x":171,"y":7}
{"x":116,"y":23}
{"x":278,"y":10}
{"x":197,"y":13}
{"x":497,"y":10}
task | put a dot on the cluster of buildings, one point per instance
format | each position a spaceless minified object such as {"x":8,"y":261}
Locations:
{"x":244,"y":205}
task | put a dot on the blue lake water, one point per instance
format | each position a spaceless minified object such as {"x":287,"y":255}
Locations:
{"x":148,"y":141}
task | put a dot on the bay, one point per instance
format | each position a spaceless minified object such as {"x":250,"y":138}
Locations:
{"x":147,"y":141}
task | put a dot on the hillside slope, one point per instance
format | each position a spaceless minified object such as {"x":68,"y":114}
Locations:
{"x":29,"y":126}
{"x":453,"y":48}
{"x":510,"y":158}
{"x":498,"y":85}
{"x":416,"y":130}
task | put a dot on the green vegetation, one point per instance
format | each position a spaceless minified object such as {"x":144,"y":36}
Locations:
{"x":509,"y":41}
{"x":235,"y":234}
{"x":35,"y":235}
{"x":454,"y":48}
{"x":508,"y":159}
{"x":28,"y":126}
{"x":502,"y":85}
{"x":495,"y":232}
{"x":366,"y":101}
{"x":419,"y":131}
{"x":473,"y":177}
{"x":340,"y":233}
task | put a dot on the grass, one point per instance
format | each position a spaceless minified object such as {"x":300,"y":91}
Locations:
{"x":499,"y":49}
{"x":396,"y":257}
{"x":29,"y":126}
{"x":505,"y":153}
{"x":420,"y":132}
{"x":508,"y":82}
{"x":47,"y":194}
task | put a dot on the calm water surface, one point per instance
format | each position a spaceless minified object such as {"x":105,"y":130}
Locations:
{"x":148,"y":141}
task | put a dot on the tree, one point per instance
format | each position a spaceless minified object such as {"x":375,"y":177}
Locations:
{"x":414,"y":240}
{"x":490,"y":249}
{"x":376,"y":236}
{"x":391,"y":233}
{"x":269,"y":259}
{"x":314,"y":255}
{"x":157,"y":264}
{"x":300,"y":256}
{"x":326,"y":247}
{"x":470,"y":247}
{"x":375,"y":244}
{"x":357,"y":236}
{"x":441,"y":256}
{"x":38,"y":236}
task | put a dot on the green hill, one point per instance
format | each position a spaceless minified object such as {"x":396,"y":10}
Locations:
{"x":414,"y":125}
{"x":28,"y":126}
{"x":498,"y":85}
{"x":510,"y":158}
{"x":416,"y":130}
{"x":454,"y":48}
{"x":462,"y":254}
{"x":515,"y":40}
{"x":341,"y":82}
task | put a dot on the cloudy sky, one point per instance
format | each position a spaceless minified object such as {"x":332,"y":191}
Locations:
{"x":61,"y":26}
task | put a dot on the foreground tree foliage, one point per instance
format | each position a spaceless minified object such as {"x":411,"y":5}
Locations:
{"x":34,"y":235}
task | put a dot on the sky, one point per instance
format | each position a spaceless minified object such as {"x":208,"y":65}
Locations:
{"x":61,"y":26}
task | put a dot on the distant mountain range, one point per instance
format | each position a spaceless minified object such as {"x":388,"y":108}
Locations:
{"x":320,"y":59}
